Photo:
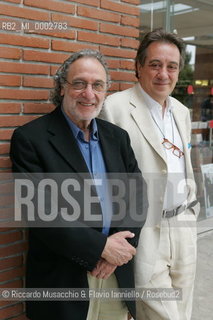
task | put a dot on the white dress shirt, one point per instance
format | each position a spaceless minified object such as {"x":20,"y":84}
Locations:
{"x":166,"y":128}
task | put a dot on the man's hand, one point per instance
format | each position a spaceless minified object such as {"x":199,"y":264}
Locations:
{"x":117,"y":250}
{"x":103,"y":269}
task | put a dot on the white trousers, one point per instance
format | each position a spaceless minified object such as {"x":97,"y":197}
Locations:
{"x":175,"y":268}
{"x":105,"y":309}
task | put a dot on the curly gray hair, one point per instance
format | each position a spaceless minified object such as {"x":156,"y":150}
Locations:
{"x":61,"y":74}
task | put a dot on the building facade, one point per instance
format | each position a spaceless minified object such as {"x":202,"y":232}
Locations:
{"x":37,"y":36}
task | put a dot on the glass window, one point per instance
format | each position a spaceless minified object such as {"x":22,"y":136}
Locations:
{"x":192,"y":21}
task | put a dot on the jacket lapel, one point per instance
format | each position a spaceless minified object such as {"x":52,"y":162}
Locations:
{"x":109,"y":148}
{"x":180,"y":122}
{"x":143,"y":119}
{"x":62,"y":139}
{"x":64,"y":142}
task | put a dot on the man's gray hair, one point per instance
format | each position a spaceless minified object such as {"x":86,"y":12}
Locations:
{"x":61,"y":74}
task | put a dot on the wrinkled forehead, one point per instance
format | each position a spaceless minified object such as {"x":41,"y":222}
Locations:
{"x":87,"y":67}
{"x":163,"y":51}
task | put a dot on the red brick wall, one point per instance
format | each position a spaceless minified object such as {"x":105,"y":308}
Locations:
{"x":29,"y":59}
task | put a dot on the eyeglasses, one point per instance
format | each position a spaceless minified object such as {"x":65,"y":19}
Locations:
{"x":176,"y":151}
{"x":98,"y":86}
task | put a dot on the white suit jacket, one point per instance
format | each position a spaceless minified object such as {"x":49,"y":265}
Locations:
{"x":128,"y":110}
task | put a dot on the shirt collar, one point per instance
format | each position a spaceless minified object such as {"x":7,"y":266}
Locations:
{"x":153,"y":105}
{"x":78,"y":133}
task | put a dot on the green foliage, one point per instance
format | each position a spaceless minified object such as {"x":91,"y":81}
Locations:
{"x":185,"y":78}
{"x":186,"y":75}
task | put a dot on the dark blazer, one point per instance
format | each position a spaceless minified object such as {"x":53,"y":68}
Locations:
{"x":61,"y":257}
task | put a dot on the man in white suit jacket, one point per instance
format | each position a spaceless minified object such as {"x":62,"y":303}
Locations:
{"x":160,"y":130}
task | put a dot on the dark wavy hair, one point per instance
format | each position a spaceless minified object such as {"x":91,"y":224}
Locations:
{"x":158,"y":35}
{"x":61,"y":74}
